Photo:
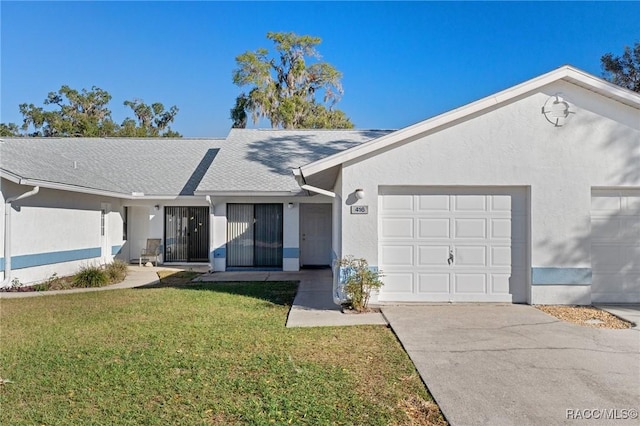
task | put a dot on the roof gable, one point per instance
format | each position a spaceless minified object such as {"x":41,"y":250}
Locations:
{"x":567,"y":73}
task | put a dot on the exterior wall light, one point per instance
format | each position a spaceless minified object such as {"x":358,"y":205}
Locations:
{"x":157,"y":207}
{"x":359,"y":193}
{"x":290,"y":205}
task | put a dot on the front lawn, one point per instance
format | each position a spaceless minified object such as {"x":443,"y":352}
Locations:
{"x":206,"y":353}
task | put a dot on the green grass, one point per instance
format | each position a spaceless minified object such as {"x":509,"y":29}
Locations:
{"x":204,"y":353}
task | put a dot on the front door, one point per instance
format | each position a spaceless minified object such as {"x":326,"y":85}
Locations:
{"x":186,"y":234}
{"x":315,"y":234}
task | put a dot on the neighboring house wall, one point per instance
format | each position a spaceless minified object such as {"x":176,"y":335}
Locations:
{"x":59,"y":232}
{"x":515,"y":146}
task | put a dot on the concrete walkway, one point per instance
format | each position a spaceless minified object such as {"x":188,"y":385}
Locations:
{"x":313,"y":305}
{"x":500,"y":364}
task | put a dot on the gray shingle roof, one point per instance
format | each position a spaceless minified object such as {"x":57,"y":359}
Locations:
{"x":151,"y":166}
{"x":256,"y":160}
{"x":249,"y":160}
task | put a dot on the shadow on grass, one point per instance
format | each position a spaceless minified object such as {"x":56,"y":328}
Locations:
{"x":276,"y":292}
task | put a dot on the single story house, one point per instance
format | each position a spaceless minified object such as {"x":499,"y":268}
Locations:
{"x":530,"y":195}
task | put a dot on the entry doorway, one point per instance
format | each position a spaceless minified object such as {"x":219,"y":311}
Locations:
{"x":254,"y":235}
{"x":186,"y":234}
{"x":315,"y":235}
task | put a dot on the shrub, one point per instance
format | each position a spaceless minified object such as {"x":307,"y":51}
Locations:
{"x":116,"y":271}
{"x":90,"y":276}
{"x":360,"y":280}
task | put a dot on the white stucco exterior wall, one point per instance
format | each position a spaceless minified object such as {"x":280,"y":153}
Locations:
{"x":59,"y":232}
{"x":514,"y":145}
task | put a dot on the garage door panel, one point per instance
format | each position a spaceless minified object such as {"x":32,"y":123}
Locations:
{"x":470,"y":283}
{"x":397,"y":228}
{"x":630,"y":230}
{"x":501,"y":203}
{"x":470,"y":256}
{"x":501,"y":228}
{"x":470,"y":228}
{"x":501,"y":256}
{"x":433,"y":255}
{"x":605,"y":228}
{"x":400,"y":255}
{"x":470,"y":203}
{"x":631,"y":257}
{"x":433,"y":228}
{"x":500,"y":283}
{"x":606,"y":257}
{"x":398,"y":203}
{"x":434,"y":283}
{"x":398,"y":282}
{"x":433,"y":203}
{"x":632,"y":205}
{"x":605,"y":203}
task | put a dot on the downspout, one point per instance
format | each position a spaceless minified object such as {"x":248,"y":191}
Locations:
{"x":7,"y":233}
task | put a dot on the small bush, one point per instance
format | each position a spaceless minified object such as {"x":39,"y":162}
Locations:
{"x":54,"y":282}
{"x":91,"y":276}
{"x":116,"y":271}
{"x":360,"y":281}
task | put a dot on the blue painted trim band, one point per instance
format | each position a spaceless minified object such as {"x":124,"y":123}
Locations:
{"x":220,"y":252}
{"x":39,"y":259}
{"x":560,"y":276}
{"x":115,"y":250}
{"x":290,"y":253}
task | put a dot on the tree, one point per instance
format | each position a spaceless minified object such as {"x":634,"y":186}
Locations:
{"x":82,"y":113}
{"x":285,"y":88}
{"x":623,"y":70}
{"x":153,"y":120}
{"x":9,"y":130}
{"x":85,"y":113}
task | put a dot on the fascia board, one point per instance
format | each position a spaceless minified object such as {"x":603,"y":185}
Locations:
{"x":248,"y":193}
{"x":10,"y":176}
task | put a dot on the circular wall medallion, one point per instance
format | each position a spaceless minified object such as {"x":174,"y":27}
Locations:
{"x":557,"y":110}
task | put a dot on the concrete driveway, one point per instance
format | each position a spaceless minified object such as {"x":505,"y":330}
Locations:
{"x":515,"y":365}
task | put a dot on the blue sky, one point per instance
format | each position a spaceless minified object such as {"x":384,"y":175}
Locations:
{"x":402,"y":62}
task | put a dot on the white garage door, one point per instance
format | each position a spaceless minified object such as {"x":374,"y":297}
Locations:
{"x":452,"y":244}
{"x":615,"y":246}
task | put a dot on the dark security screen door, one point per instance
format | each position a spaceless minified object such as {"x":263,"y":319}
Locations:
{"x":186,"y":234}
{"x":254,"y":235}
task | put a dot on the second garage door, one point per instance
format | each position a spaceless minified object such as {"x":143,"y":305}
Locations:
{"x":444,"y":244}
{"x":615,"y":246}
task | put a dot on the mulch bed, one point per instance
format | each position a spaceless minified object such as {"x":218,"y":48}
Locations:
{"x":587,"y":316}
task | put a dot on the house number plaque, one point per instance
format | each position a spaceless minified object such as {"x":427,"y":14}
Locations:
{"x":359,"y":209}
